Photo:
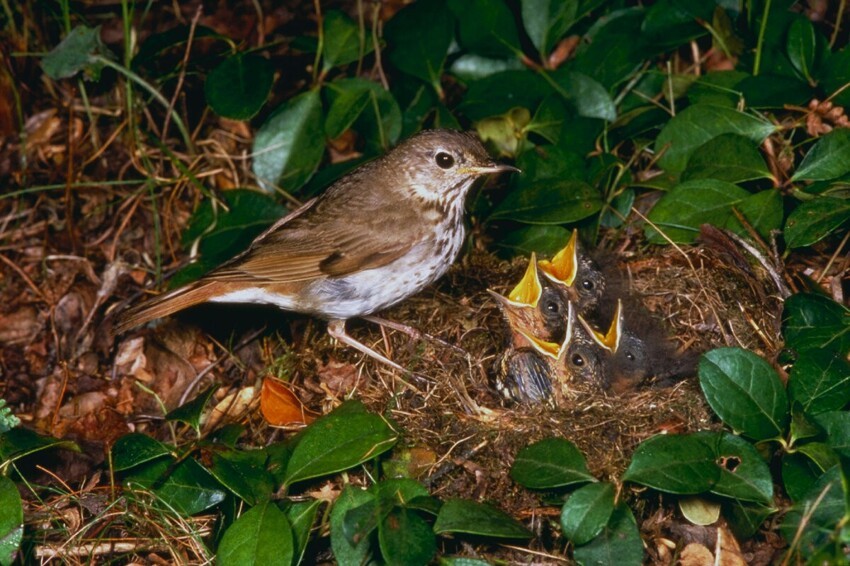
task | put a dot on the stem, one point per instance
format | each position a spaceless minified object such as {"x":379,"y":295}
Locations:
{"x":760,"y":42}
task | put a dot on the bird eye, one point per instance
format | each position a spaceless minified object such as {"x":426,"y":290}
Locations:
{"x":444,"y":160}
{"x":587,"y":284}
{"x":552,"y":307}
{"x":630,"y":356}
{"x":577,"y":360}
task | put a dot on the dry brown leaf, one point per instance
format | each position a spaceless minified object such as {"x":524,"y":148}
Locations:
{"x":280,"y":406}
{"x":19,"y":327}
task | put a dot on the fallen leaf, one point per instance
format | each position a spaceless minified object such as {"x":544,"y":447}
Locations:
{"x":280,"y":406}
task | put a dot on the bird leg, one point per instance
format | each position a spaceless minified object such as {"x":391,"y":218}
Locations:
{"x":412,"y":332}
{"x":336,"y":328}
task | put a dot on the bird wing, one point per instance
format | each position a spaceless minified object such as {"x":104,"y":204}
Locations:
{"x":328,"y":239}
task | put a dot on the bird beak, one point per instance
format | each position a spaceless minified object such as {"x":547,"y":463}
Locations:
{"x":517,"y":314}
{"x":564,"y":266}
{"x":529,"y":289}
{"x":610,"y":340}
{"x":550,"y":349}
{"x":491,"y":168}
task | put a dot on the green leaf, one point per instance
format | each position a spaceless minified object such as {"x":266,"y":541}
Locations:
{"x":79,"y":51}
{"x":681,"y":212}
{"x":550,"y":202}
{"x":587,"y":511}
{"x":419,"y":36}
{"x":239,"y":86}
{"x":338,"y":441}
{"x":828,"y":158}
{"x":744,"y":474}
{"x":799,"y":472}
{"x":184,"y":486}
{"x":546,"y":21}
{"x":815,"y":321}
{"x":820,"y":380}
{"x":487,"y":27}
{"x":699,"y":510}
{"x":290,"y":144}
{"x":697,"y":124}
{"x":683,"y":464}
{"x":551,"y":462}
{"x":471,"y":517}
{"x":21,"y":442}
{"x":302,"y":515}
{"x":727,"y":157}
{"x":812,"y":522}
{"x":11,"y":521}
{"x":346,"y":553}
{"x":342,"y":40}
{"x":814,"y":220}
{"x":544,"y":162}
{"x":156,"y":44}
{"x":745,"y":392}
{"x":192,"y":411}
{"x":619,"y":543}
{"x":471,"y":67}
{"x":836,"y":424}
{"x":834,"y":74}
{"x":614,"y":48}
{"x":8,"y":420}
{"x":586,"y":94}
{"x":675,"y":22}
{"x":522,"y":89}
{"x":801,"y":46}
{"x":405,"y":538}
{"x":368,"y":108}
{"x":243,"y":473}
{"x":763,"y":210}
{"x":549,"y":119}
{"x":544,"y":240}
{"x":262,"y":535}
{"x":134,"y":449}
{"x":745,"y":518}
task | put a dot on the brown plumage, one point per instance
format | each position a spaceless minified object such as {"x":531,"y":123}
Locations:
{"x":374,"y":237}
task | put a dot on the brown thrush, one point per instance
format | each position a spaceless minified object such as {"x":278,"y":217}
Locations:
{"x":376,"y":236}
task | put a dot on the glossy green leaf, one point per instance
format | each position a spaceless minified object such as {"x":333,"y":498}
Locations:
{"x":302,"y":515}
{"x":763,"y":210}
{"x":815,"y":321}
{"x":683,"y":464}
{"x":11,"y":521}
{"x":744,"y":518}
{"x":548,"y":463}
{"x":587,"y":511}
{"x":744,"y":474}
{"x":698,"y":510}
{"x":801,"y":46}
{"x":675,"y":22}
{"x":399,"y":490}
{"x":239,"y":86}
{"x":290,"y":144}
{"x":680,"y":213}
{"x":774,"y":91}
{"x":812,"y":522}
{"x":614,"y":47}
{"x":828,"y":158}
{"x":405,"y":538}
{"x":820,"y":381}
{"x":543,"y":162}
{"x":549,"y":119}
{"x":619,"y":542}
{"x":546,"y":21}
{"x":471,"y":67}
{"x":192,"y":411}
{"x":745,"y":391}
{"x":517,"y":89}
{"x":134,"y":449}
{"x":343,"y":41}
{"x":834,"y":74}
{"x":79,"y":51}
{"x":697,"y":124}
{"x":727,"y":157}
{"x":836,"y":424}
{"x":802,"y":425}
{"x":243,"y":473}
{"x":21,"y":442}
{"x":262,"y":535}
{"x":155,"y":45}
{"x":545,"y":240}
{"x":799,"y":473}
{"x":336,"y":442}
{"x":345,"y":552}
{"x":419,"y":36}
{"x":471,"y":517}
{"x":586,"y":94}
{"x":550,"y":202}
{"x":487,"y":27}
{"x":184,"y":486}
{"x":368,"y":108}
{"x":814,"y":220}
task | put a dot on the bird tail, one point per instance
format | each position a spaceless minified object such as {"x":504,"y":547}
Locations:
{"x":166,"y":304}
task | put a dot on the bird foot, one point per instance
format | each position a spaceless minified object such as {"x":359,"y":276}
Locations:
{"x":336,"y":328}
{"x":413,"y":332}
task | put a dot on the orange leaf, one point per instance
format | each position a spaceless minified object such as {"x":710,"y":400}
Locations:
{"x":280,"y":406}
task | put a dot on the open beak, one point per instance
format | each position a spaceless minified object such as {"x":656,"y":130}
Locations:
{"x":529,"y":289}
{"x":564,"y":266}
{"x":610,"y":340}
{"x":550,"y":349}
